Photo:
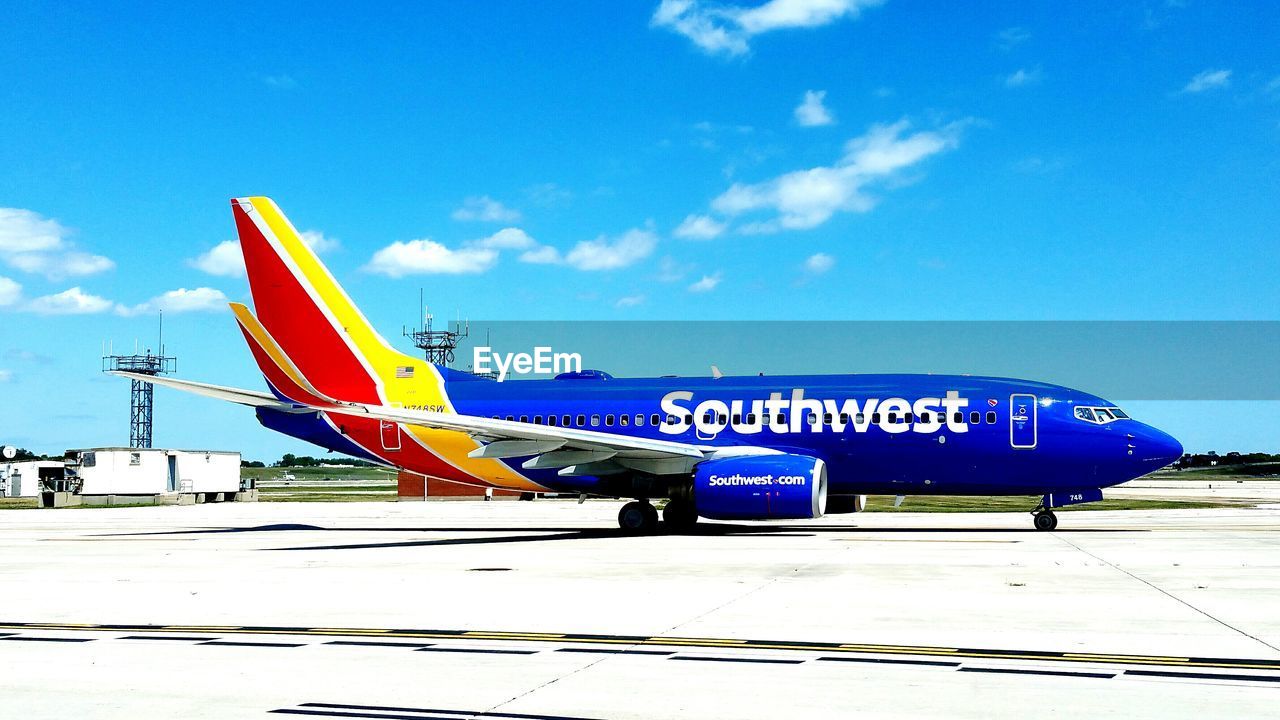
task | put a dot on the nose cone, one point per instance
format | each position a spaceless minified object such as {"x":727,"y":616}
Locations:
{"x":1156,"y":448}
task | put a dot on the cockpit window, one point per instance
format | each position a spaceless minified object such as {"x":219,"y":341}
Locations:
{"x":1100,"y":415}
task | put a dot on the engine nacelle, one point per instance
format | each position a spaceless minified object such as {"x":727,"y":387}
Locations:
{"x":761,"y":487}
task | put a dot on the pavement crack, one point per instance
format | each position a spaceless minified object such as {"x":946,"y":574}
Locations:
{"x":1168,"y":594}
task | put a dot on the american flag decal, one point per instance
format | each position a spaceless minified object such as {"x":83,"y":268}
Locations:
{"x":404,"y":371}
{"x":992,"y":402}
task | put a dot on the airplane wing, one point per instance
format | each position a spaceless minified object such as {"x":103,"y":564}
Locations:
{"x":573,"y":450}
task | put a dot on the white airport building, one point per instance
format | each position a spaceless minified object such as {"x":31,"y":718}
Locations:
{"x":22,"y":479}
{"x":210,"y":475}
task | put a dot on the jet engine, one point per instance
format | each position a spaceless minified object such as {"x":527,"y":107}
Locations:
{"x":761,"y":487}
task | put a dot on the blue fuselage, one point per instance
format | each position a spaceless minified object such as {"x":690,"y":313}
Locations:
{"x":1013,"y":437}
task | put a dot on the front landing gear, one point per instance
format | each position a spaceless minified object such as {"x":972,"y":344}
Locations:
{"x":1045,"y":520}
{"x":638,"y":518}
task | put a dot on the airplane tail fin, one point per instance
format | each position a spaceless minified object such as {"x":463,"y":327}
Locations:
{"x":308,"y":336}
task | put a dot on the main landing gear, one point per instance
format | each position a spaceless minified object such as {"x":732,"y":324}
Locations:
{"x":638,"y":518}
{"x":1045,"y":519}
{"x":680,"y":515}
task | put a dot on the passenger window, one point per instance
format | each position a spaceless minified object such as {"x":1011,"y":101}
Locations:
{"x":893,"y":417}
{"x":908,"y":418}
{"x":875,"y":418}
{"x":751,"y":418}
{"x":975,"y":417}
{"x":595,"y":421}
{"x":708,"y":419}
{"x":1085,"y":414}
{"x":671,"y":419}
{"x":624,"y":420}
{"x":511,"y":418}
{"x":608,"y":420}
{"x":826,"y":418}
{"x":551,"y":420}
{"x":991,"y":417}
{"x":564,"y":420}
{"x":737,"y":419}
{"x":925,"y":418}
{"x":524,"y":418}
{"x":655,"y":419}
{"x":582,"y":420}
{"x":813,"y":419}
{"x":782,"y":418}
{"x":537,"y":419}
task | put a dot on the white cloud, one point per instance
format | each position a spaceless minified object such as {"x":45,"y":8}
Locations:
{"x":224,"y":260}
{"x":280,"y":82}
{"x":485,"y":209}
{"x":1208,"y":80}
{"x":706,"y":284}
{"x":10,"y":292}
{"x":1010,"y":38}
{"x":6,"y":376}
{"x":699,"y":227}
{"x":69,"y":302}
{"x":605,"y":254}
{"x":24,"y":231}
{"x":727,"y":29}
{"x":507,"y":239}
{"x":36,"y":244}
{"x":807,"y":198}
{"x":318,"y":242}
{"x":1023,"y":76}
{"x":425,"y":256}
{"x":182,"y":300}
{"x":819,"y":263}
{"x":629,"y":301}
{"x":541,"y":255}
{"x":811,"y":112}
{"x":671,"y":271}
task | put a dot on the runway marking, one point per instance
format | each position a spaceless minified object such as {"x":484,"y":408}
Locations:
{"x":1203,"y":676}
{"x":237,"y":643}
{"x":419,"y":713}
{"x":892,"y":661}
{"x":1022,"y":671}
{"x":377,"y":643}
{"x":37,"y":638}
{"x":767,"y":661}
{"x":487,"y":651}
{"x":641,"y":640}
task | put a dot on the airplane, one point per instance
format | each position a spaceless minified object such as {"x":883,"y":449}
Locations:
{"x":721,"y":447}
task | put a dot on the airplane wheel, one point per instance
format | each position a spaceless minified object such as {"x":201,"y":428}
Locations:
{"x":636,"y":518}
{"x":680,"y":515}
{"x":1046,"y":521}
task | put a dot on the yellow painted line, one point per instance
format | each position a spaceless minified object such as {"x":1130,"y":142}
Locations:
{"x":210,"y":628}
{"x":696,"y":641}
{"x":899,"y":648}
{"x":533,"y":636}
{"x":349,"y":631}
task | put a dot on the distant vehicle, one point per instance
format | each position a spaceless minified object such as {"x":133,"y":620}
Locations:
{"x":740,"y":448}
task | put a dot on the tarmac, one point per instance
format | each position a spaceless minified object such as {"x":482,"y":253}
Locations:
{"x":543,"y":611}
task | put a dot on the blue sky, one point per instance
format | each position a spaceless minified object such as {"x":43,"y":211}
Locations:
{"x":824,"y":159}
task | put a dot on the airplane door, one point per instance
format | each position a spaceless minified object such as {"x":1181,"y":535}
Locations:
{"x":390,"y":435}
{"x":1022,"y":421}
